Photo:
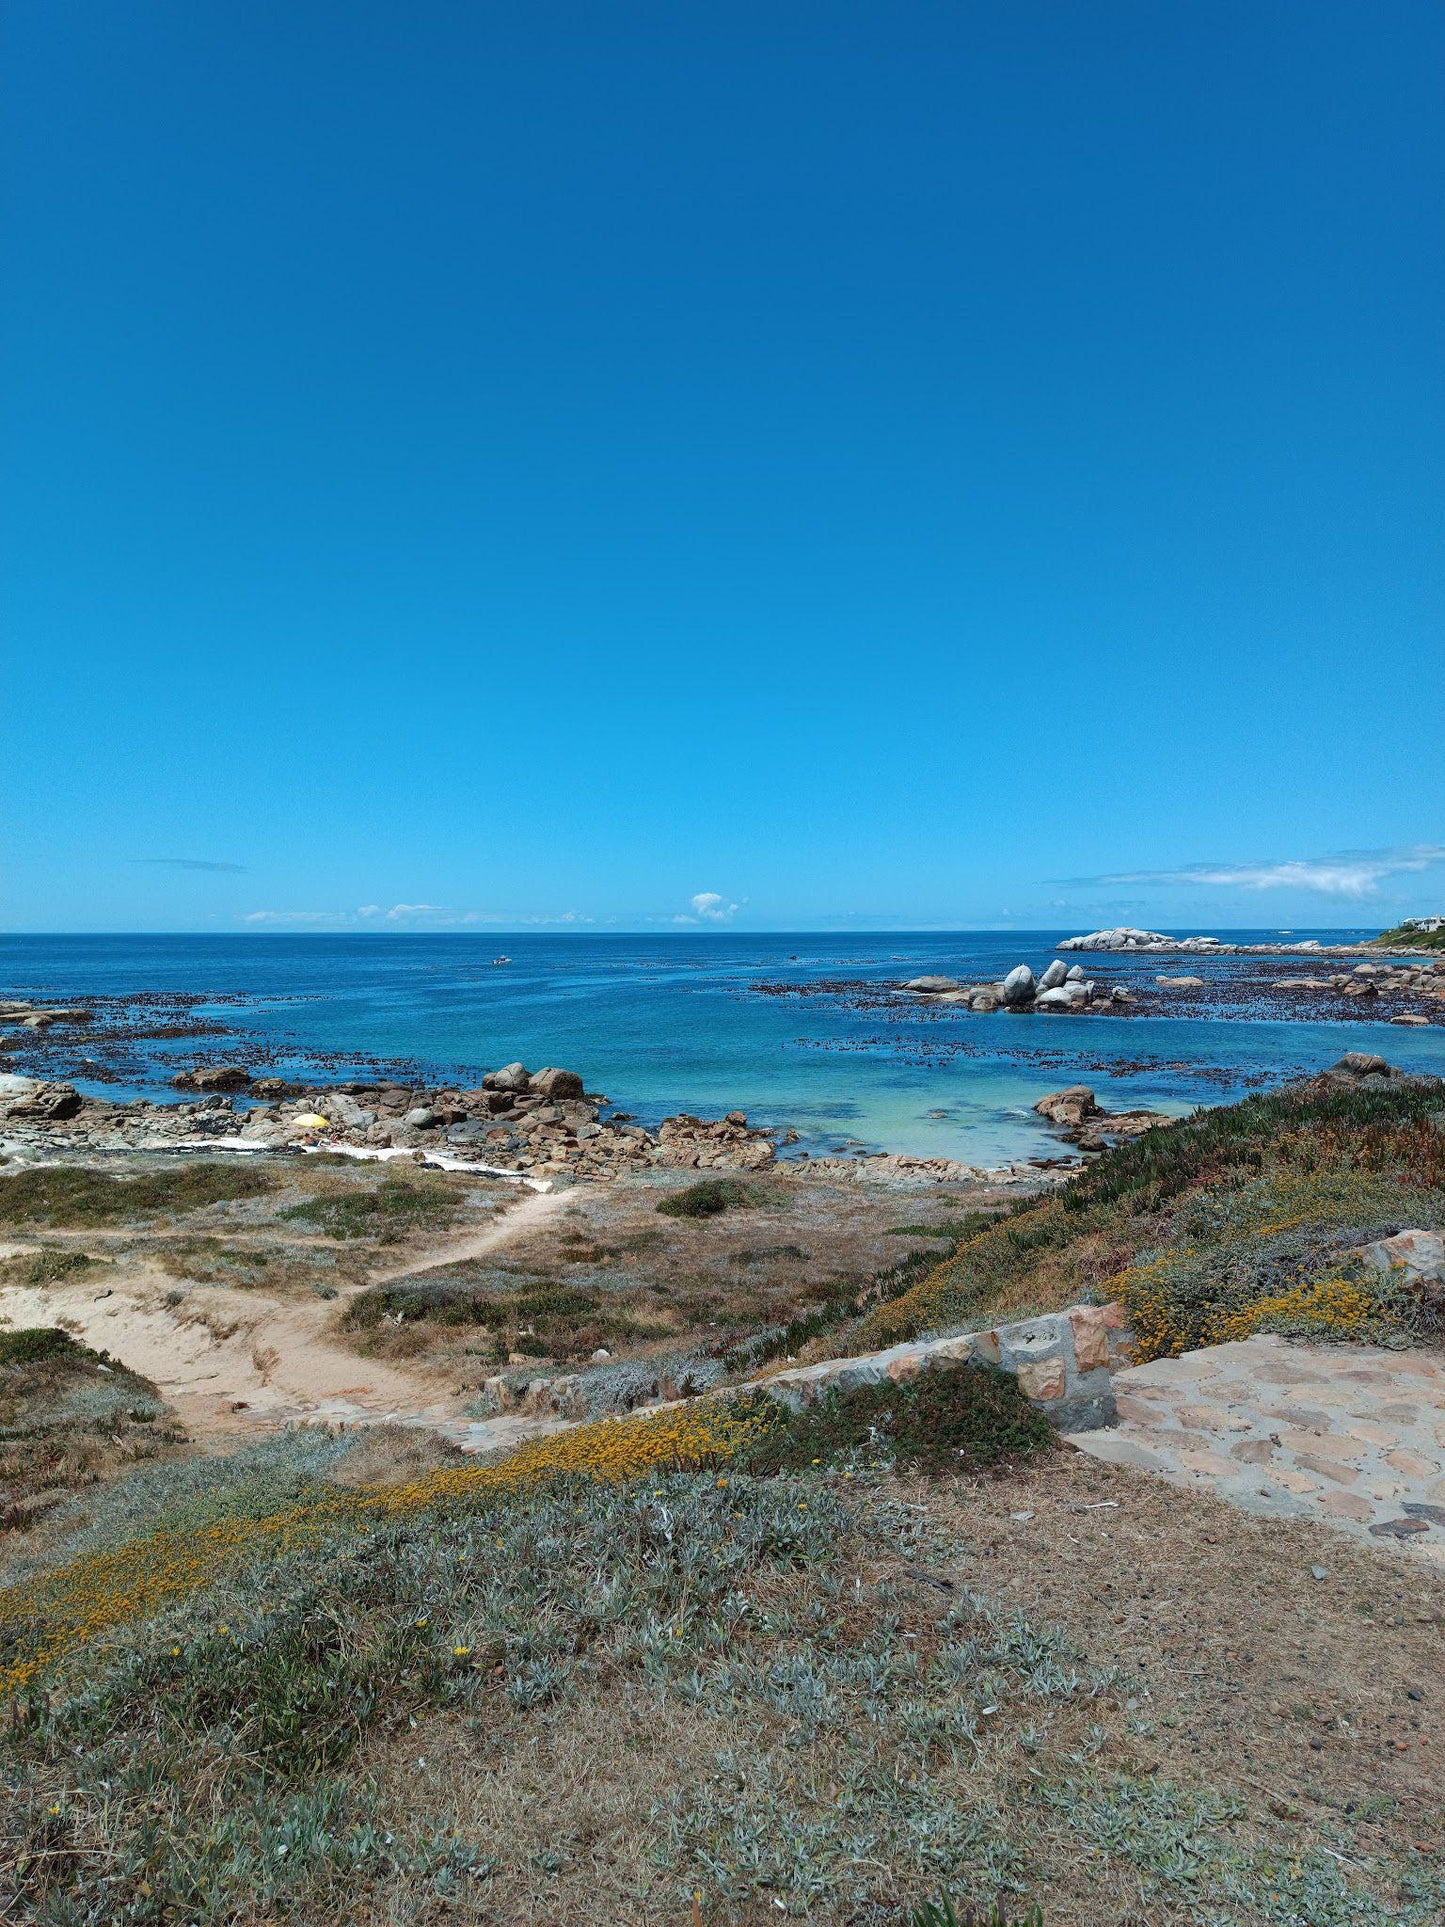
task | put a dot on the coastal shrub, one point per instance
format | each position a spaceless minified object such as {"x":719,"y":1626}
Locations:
{"x":409,"y":1300}
{"x":396,"y":1206}
{"x":64,"y":1194}
{"x":28,"y":1347}
{"x":954,"y":1230}
{"x":547,"y":1320}
{"x":711,"y":1196}
{"x":1257,"y":1194}
{"x":963,"y":1420}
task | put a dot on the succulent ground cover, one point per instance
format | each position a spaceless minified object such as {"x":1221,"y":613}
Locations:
{"x":595,"y":1684}
{"x":1236,"y":1220}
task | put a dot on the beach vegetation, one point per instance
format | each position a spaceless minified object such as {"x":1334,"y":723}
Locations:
{"x":49,"y":1265}
{"x":384,"y":1213}
{"x":965,"y":1420}
{"x":76,"y":1195}
{"x":710,"y":1197}
{"x":69,"y":1416}
{"x":1236,"y":1219}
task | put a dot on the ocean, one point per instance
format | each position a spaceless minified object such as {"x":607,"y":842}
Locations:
{"x":793,"y":1029}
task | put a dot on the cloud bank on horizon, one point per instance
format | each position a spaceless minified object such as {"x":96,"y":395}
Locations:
{"x":1348,"y":877}
{"x":1352,"y":874}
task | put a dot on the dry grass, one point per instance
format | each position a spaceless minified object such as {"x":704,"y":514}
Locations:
{"x":394,"y":1455}
{"x":610,"y":1272}
{"x":1232,"y":1660}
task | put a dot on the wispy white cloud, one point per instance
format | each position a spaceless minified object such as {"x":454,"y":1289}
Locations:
{"x":1356,"y":873}
{"x":294,"y":916}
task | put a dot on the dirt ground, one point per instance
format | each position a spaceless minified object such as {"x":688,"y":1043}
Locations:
{"x":1313,"y":1704}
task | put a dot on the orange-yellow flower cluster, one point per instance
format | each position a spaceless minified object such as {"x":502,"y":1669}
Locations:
{"x":1336,"y":1307}
{"x":45,"y":1616}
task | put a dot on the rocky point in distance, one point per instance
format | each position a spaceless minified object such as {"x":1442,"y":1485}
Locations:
{"x":1062,"y":987}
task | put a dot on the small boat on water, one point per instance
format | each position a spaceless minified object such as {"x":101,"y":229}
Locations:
{"x":497,"y":960}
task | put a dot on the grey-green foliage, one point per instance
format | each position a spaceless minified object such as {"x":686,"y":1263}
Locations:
{"x":188,"y":1745}
{"x":1189,"y":1848}
{"x":185,"y":1493}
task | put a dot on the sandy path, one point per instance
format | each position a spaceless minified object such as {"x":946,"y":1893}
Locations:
{"x":231,"y":1361}
{"x":533,"y":1210}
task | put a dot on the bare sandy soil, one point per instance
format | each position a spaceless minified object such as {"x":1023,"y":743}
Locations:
{"x":236,"y":1311}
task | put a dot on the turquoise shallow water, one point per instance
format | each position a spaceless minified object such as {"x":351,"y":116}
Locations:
{"x":676,"y":1022}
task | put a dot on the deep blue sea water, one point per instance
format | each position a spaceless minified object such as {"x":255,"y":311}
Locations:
{"x":674,"y":1022}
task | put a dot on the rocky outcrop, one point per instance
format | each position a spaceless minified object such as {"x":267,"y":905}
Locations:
{"x":690,"y":1143}
{"x":31,"y":1098}
{"x":1363,"y":1070}
{"x":42,"y":1016}
{"x":1060,"y":988}
{"x":1069,"y":1107}
{"x":1084,"y":1121}
{"x":541,"y":1125}
{"x":1125,"y":938}
{"x":215,"y":1077}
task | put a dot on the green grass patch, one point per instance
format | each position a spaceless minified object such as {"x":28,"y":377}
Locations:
{"x":710,"y":1197}
{"x":71,"y":1194}
{"x":396,"y":1206}
{"x":1402,"y":938}
{"x":963,"y":1420}
{"x":942,"y":1913}
{"x":955,"y":1230}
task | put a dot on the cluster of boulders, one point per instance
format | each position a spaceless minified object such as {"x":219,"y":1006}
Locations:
{"x":692,"y":1143}
{"x":1084,"y":1121}
{"x":1126,"y":938}
{"x":543,"y":1122}
{"x":1425,"y":980}
{"x":531,"y":1122}
{"x":1135,"y":941}
{"x":1062,"y":987}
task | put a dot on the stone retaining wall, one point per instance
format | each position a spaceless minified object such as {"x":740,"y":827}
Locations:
{"x":1062,"y":1361}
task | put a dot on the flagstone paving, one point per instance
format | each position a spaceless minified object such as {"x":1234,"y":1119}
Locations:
{"x":1350,"y":1435}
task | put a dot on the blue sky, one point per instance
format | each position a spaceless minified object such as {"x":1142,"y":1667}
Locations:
{"x":773,"y":465}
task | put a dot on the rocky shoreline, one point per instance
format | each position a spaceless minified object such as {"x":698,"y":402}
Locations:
{"x":1128,"y":941}
{"x":1414,"y":991}
{"x":535,"y":1124}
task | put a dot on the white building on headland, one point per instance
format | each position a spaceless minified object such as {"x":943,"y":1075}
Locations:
{"x":1427,"y":924}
